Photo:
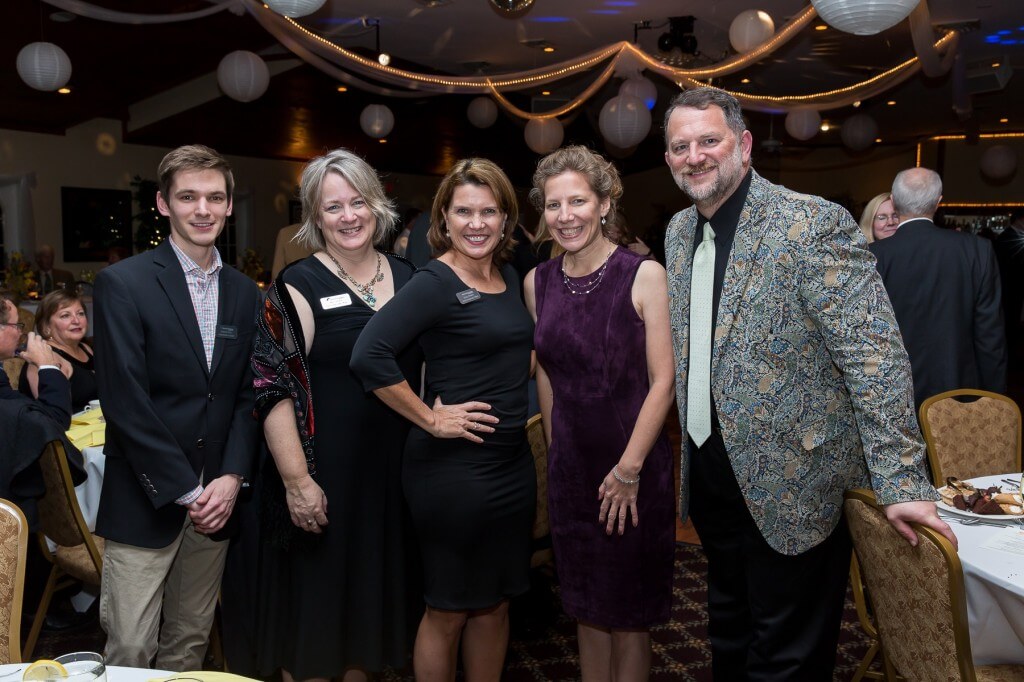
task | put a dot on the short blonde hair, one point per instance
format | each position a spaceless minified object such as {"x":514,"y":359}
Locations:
{"x":867,"y":218}
{"x":482,"y":173}
{"x":363,"y":179}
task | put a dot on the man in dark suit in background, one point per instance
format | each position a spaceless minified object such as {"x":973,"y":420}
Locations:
{"x":174,"y":332}
{"x":49,"y":277}
{"x":944,"y":288}
{"x":1009,"y":247}
{"x":54,"y":390}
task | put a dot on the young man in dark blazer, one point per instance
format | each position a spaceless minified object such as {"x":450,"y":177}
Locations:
{"x":944,"y":288}
{"x":174,"y":331}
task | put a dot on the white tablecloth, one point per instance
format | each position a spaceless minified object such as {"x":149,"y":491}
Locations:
{"x":11,"y":672}
{"x":994,"y":581}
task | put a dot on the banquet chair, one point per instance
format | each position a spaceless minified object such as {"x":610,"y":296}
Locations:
{"x":918,"y":599}
{"x":867,"y":624}
{"x":13,"y":549}
{"x":542,"y":554}
{"x":79,"y":554}
{"x":969,"y":439}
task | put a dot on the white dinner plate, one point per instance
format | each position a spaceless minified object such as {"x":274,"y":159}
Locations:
{"x":984,"y":482}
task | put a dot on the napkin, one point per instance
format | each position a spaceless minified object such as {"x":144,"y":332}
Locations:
{"x":88,"y":429}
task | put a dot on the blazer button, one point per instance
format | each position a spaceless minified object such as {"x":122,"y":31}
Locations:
{"x":200,"y":444}
{"x":210,"y":396}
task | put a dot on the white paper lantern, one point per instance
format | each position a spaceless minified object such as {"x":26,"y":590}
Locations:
{"x":749,"y":29}
{"x":641,"y":88}
{"x":544,"y":135}
{"x":377,"y":120}
{"x":482,"y":112}
{"x":803,"y":124}
{"x":863,"y":17}
{"x":998,"y":162}
{"x":859,"y":132}
{"x":295,"y":8}
{"x":243,"y":75}
{"x":44,"y":66}
{"x":624,"y":121}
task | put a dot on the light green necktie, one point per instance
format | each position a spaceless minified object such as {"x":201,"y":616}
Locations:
{"x":698,"y":382}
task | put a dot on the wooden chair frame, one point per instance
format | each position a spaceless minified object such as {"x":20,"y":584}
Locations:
{"x":13,"y":652}
{"x":54,"y":462}
{"x":938,"y":477}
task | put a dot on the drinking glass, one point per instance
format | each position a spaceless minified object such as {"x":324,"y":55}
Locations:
{"x":83,"y":666}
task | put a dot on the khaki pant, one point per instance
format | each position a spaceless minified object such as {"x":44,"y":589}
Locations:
{"x":181,"y":580}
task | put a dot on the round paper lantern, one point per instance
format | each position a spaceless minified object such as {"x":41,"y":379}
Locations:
{"x":863,"y":17}
{"x":544,"y":135}
{"x":376,"y":120}
{"x":749,"y":29}
{"x":803,"y":124}
{"x":859,"y":132}
{"x":44,"y":66}
{"x":641,"y":88}
{"x":243,"y":75}
{"x":482,"y":112}
{"x":624,"y":121}
{"x":998,"y":162}
{"x":295,"y":8}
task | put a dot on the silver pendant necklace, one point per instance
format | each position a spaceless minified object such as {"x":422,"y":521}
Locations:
{"x":584,"y":288}
{"x":365,"y":290}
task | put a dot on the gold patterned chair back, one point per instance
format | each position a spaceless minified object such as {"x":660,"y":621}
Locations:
{"x":917,"y":594}
{"x":541,"y":526}
{"x":27,"y":318}
{"x":13,"y":548}
{"x":79,"y":553}
{"x":969,"y":439}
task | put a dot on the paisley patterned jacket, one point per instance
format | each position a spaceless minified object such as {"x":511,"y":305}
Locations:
{"x":809,"y":375}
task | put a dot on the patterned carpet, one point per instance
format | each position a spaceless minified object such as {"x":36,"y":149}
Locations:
{"x":543,"y":647}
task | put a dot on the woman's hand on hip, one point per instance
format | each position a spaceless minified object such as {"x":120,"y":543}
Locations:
{"x":307,"y":504}
{"x":464,"y":420}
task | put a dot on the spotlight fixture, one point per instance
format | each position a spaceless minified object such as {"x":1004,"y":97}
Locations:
{"x":511,"y":9}
{"x":680,"y":35}
{"x":383,"y":58}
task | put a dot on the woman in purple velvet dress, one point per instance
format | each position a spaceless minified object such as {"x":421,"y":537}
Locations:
{"x":605,"y":379}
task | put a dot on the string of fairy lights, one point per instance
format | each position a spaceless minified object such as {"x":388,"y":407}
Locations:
{"x":625,"y":58}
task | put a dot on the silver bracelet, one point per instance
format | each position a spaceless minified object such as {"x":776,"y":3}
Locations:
{"x":620,"y":479}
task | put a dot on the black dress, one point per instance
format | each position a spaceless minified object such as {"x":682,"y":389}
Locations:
{"x":349,"y":597}
{"x":83,"y":379}
{"x":472,"y":504}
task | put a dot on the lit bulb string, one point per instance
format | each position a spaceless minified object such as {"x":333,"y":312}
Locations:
{"x":589,"y":92}
{"x":832,"y":99}
{"x":427,"y":84}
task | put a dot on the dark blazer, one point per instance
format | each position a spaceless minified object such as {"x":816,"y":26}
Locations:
{"x":1009,"y":248}
{"x":59,"y":278}
{"x":944,"y":288}
{"x":169,"y":417}
{"x":54,"y":396}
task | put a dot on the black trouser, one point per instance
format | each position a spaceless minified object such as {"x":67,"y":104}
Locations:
{"x":771,"y":616}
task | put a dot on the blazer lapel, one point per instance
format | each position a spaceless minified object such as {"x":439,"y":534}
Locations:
{"x":749,"y":232}
{"x":172,"y":280}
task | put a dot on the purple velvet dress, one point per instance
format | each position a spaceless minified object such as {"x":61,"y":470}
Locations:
{"x":592,"y":347}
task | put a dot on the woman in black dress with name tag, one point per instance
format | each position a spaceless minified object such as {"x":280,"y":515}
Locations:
{"x":468,"y":474}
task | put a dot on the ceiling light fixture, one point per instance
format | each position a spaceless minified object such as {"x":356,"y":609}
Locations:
{"x":745,"y":81}
{"x":67,"y":91}
{"x":891,"y":103}
{"x":342,"y":88}
{"x":825,"y":126}
{"x":383,"y":58}
{"x":1004,"y":120}
{"x":549,"y":48}
{"x":821,"y":27}
{"x":511,"y":9}
{"x":680,"y":35}
{"x":856,"y":104}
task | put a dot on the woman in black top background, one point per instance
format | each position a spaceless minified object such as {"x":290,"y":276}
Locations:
{"x":468,"y":474}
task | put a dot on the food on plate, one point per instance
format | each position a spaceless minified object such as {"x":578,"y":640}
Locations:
{"x":992,"y":500}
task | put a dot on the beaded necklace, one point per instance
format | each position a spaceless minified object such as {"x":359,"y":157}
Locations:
{"x":365,"y":290}
{"x":586,"y":287}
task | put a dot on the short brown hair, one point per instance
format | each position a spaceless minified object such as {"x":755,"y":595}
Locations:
{"x":482,"y":173}
{"x":600,"y":174}
{"x":51,"y":304}
{"x":188,"y":158}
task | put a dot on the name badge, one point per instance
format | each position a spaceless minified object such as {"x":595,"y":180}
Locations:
{"x":468,"y":296}
{"x":227,"y":331}
{"x":339,"y":301}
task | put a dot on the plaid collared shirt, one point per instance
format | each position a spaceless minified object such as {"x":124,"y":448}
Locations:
{"x":204,"y":287}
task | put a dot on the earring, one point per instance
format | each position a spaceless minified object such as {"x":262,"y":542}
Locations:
{"x":448,"y":233}
{"x":604,"y":221}
{"x":502,"y":235}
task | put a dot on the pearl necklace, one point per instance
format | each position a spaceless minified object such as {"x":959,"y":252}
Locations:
{"x":365,"y":290}
{"x":586,"y":287}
